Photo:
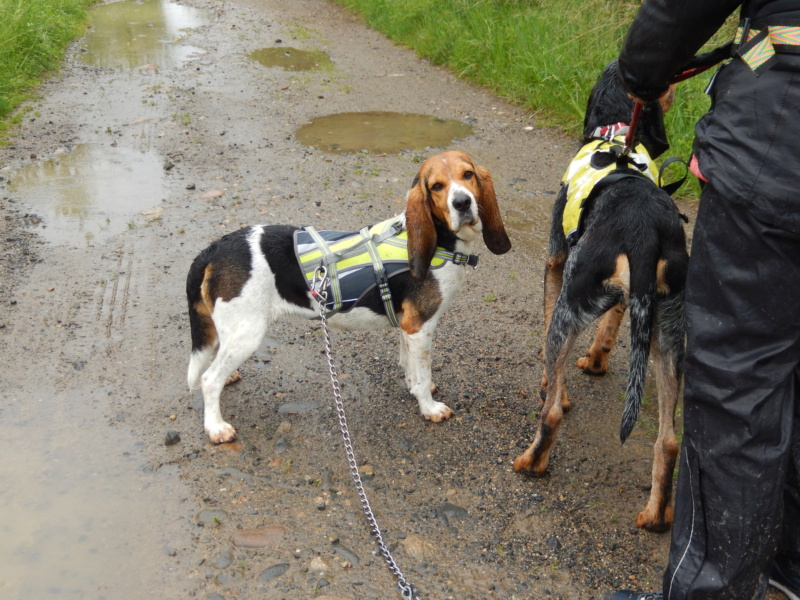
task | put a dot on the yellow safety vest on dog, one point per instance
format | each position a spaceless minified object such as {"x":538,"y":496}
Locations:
{"x":356,"y":262}
{"x":593,"y":162}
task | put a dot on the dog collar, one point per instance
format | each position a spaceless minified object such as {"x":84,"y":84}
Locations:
{"x":609,"y":132}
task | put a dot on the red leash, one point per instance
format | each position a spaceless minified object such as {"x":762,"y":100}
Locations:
{"x":629,"y":137}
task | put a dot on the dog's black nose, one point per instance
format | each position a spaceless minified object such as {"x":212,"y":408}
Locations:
{"x":462,"y":203}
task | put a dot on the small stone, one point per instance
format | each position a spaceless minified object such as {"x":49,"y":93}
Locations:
{"x":258,"y":538}
{"x":224,"y":560}
{"x":173,"y":437}
{"x":347,"y":554}
{"x":319,"y":565}
{"x":419,"y":548}
{"x":272,"y":572}
{"x":281,"y":445}
{"x":210,"y":517}
{"x":553,"y":543}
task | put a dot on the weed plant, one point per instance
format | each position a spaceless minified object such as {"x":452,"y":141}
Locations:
{"x":33,"y":37}
{"x":544,"y":55}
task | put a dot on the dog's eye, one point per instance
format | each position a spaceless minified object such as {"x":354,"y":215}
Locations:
{"x":436,"y":187}
{"x":468,"y":174}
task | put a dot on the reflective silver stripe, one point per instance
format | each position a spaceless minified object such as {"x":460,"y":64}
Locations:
{"x":330,"y":265}
{"x":691,"y":532}
{"x":382,"y":280}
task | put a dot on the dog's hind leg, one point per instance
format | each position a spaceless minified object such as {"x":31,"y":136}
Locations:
{"x":560,"y":341}
{"x":415,"y":357}
{"x":596,"y":360}
{"x":237,"y":342}
{"x":553,"y":281}
{"x":667,"y":353}
{"x":198,"y":363}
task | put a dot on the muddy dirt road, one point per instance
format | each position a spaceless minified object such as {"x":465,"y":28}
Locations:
{"x":123,"y":171}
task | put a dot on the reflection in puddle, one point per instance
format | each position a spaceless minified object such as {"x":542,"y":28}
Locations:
{"x":526,"y":227}
{"x":291,"y":59}
{"x":92,"y":193}
{"x":132,"y":34}
{"x":380,"y":132}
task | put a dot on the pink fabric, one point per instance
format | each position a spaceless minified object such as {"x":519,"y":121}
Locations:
{"x":695,"y":168}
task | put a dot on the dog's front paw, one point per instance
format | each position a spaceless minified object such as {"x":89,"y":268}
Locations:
{"x":221,"y":433}
{"x":651,"y":520}
{"x":436,"y":411}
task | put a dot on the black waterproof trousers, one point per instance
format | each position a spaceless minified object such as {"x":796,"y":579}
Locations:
{"x":738,"y":492}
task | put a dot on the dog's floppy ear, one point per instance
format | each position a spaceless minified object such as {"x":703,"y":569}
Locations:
{"x":421,"y":231}
{"x":652,"y":133}
{"x":494,"y":232}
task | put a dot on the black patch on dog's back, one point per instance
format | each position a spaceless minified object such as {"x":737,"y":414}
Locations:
{"x":277,"y":245}
{"x":230,"y":262}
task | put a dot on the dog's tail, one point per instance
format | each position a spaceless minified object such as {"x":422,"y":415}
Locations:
{"x":641,"y":307}
{"x":203,"y":330}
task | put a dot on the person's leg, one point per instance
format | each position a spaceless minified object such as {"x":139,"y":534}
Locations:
{"x":785,"y":574}
{"x":743,"y":348}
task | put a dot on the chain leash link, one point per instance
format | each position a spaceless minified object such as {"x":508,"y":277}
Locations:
{"x":321,"y":294}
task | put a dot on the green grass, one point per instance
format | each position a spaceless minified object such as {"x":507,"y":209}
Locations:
{"x":543,"y":55}
{"x":33,"y":37}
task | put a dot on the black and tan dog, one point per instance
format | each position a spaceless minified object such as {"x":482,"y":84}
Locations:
{"x":626,"y":249}
{"x":242,"y":283}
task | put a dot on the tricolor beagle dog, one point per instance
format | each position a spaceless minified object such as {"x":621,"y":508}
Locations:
{"x":626,"y":251}
{"x":248,"y":279}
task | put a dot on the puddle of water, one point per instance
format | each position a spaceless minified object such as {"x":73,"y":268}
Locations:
{"x":380,"y":132}
{"x":291,"y":59}
{"x":525,"y":227}
{"x":133,"y":34}
{"x":90,"y":194}
{"x":83,"y":516}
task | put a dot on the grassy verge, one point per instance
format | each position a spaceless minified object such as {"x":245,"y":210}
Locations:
{"x":33,"y":37}
{"x":541,"y":54}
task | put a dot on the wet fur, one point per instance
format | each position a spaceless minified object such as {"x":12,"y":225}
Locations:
{"x":242,"y":283}
{"x":632,"y":256}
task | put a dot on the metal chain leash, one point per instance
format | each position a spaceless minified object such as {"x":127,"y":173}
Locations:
{"x":319,"y":291}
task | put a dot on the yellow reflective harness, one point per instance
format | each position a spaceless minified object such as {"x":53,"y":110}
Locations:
{"x":357,"y":262}
{"x":593,"y":163}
